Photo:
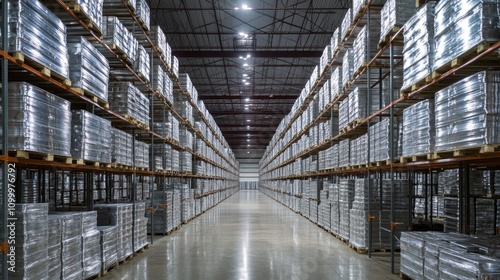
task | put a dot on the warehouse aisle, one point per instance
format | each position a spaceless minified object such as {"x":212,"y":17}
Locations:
{"x":250,"y":236}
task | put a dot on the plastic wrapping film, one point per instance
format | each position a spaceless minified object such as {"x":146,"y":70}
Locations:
{"x":346,"y":24}
{"x":347,"y":66}
{"x":457,"y":31}
{"x":38,"y":120}
{"x":184,"y":108}
{"x":32,"y":236}
{"x":141,"y":154}
{"x":121,"y":145}
{"x":484,"y":212}
{"x":159,"y":40}
{"x":419,"y":128}
{"x":362,"y":53}
{"x":185,"y":82}
{"x":175,"y":65}
{"x":418,"y":50}
{"x":336,"y":82}
{"x":168,"y":88}
{"x":343,"y":113}
{"x":467,"y":112}
{"x":394,"y":14}
{"x":186,"y":162}
{"x":140,"y":224}
{"x":358,"y":216}
{"x":71,"y":244}
{"x":142,"y":63}
{"x":90,"y":137}
{"x":120,"y":215}
{"x":115,"y":33}
{"x":380,"y":140}
{"x":158,"y":80}
{"x":54,"y":247}
{"x":344,"y":153}
{"x":108,"y":245}
{"x":325,"y":58}
{"x":29,"y":190}
{"x":449,"y":181}
{"x":143,"y":12}
{"x":30,"y":22}
{"x":186,"y":138}
{"x":126,"y":99}
{"x":91,"y":253}
{"x":88,"y":69}
{"x":346,"y":197}
{"x":358,"y":103}
{"x":119,"y":5}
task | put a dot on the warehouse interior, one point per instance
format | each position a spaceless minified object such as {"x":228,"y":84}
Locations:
{"x":291,"y":139}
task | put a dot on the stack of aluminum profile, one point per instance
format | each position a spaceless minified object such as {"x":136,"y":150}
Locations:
{"x":38,"y":120}
{"x":109,"y":241}
{"x":120,"y":215}
{"x":31,"y":21}
{"x":184,"y":108}
{"x":346,"y":24}
{"x":29,"y":189}
{"x":185,"y":203}
{"x":143,"y":13}
{"x":324,"y":210}
{"x":175,"y":66}
{"x":484,"y":212}
{"x":54,"y":247}
{"x":314,"y":76}
{"x":346,"y":197}
{"x":186,"y":138}
{"x":126,"y":99}
{"x":380,"y":144}
{"x":325,"y":58}
{"x":89,"y":69}
{"x":412,"y":254}
{"x":119,"y":6}
{"x":141,"y":154}
{"x":394,"y":14}
{"x":418,"y":50}
{"x":396,"y":87}
{"x":91,"y":247}
{"x":336,"y":82}
{"x":344,"y":113}
{"x":142,"y":63}
{"x":418,"y":128}
{"x":186,"y":162}
{"x":160,"y":41}
{"x":437,"y":206}
{"x":185,"y":82}
{"x":457,"y":262}
{"x":121,"y":145}
{"x":158,"y":81}
{"x":353,"y":155}
{"x":335,"y":40}
{"x":357,"y":104}
{"x":400,"y":201}
{"x":347,"y":67}
{"x":31,"y":260}
{"x":161,"y":154}
{"x":334,"y":211}
{"x":90,"y":137}
{"x":451,"y":214}
{"x":358,"y":217}
{"x":458,"y":31}
{"x":364,"y":47}
{"x":468,"y":113}
{"x":168,"y":88}
{"x":161,"y":218}
{"x":344,"y":152}
{"x":175,"y":161}
{"x":119,"y":37}
{"x":71,"y":245}
{"x":176,"y":209}
{"x":140,"y":226}
{"x":120,"y":188}
{"x":449,"y":181}
{"x":92,"y":9}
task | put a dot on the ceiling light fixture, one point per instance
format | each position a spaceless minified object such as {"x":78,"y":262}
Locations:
{"x":245,"y":64}
{"x":244,"y":35}
{"x":245,"y":75}
{"x":245,"y":7}
{"x":248,"y":120}
{"x":244,"y":80}
{"x":248,"y":56}
{"x":247,"y":99}
{"x":247,"y":83}
{"x":248,"y":127}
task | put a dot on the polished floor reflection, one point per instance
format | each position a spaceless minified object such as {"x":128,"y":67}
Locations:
{"x":250,"y":236}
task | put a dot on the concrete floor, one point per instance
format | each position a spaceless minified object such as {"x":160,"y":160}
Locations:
{"x":250,"y":236}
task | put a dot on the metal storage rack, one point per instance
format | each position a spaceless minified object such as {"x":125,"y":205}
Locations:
{"x":44,"y":165}
{"x":385,"y":63}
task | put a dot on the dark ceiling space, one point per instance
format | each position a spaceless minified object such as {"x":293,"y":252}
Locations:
{"x":248,"y":63}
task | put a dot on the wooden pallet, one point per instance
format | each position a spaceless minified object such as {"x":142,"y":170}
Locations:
{"x":92,"y":96}
{"x":359,"y":14}
{"x":105,"y":271}
{"x":420,"y":3}
{"x":37,"y":155}
{"x":415,"y":158}
{"x":45,"y":71}
{"x":120,"y":166}
{"x":81,"y":161}
{"x":404,"y":276}
{"x":489,"y":148}
{"x":385,"y":40}
{"x":77,"y":10}
{"x":121,"y":54}
{"x":142,"y":249}
{"x":360,"y":69}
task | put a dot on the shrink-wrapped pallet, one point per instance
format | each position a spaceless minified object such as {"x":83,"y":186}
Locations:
{"x":365,"y":44}
{"x":31,"y":260}
{"x":31,"y":21}
{"x":336,"y":82}
{"x":90,"y":137}
{"x":175,"y":66}
{"x":108,"y":245}
{"x":89,"y":69}
{"x":347,"y":67}
{"x":90,"y":11}
{"x":126,"y":99}
{"x":119,"y":6}
{"x":394,"y":14}
{"x":141,"y":154}
{"x":459,"y":30}
{"x":346,"y":197}
{"x":335,"y":40}
{"x":54,"y":247}
{"x":359,"y":230}
{"x":419,"y":128}
{"x":418,"y":50}
{"x":121,"y":145}
{"x":346,"y":24}
{"x":143,"y":13}
{"x":116,"y":35}
{"x":142,"y":63}
{"x":468,"y":112}
{"x":343,"y":113}
{"x":159,"y":40}
{"x":140,"y":224}
{"x":380,"y":141}
{"x":120,"y":215}
{"x":38,"y":120}
{"x":71,"y":245}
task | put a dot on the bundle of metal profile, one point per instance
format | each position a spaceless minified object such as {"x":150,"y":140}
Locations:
{"x":119,"y":6}
{"x":120,"y":215}
{"x":140,"y":226}
{"x":468,"y":112}
{"x":380,"y":142}
{"x":175,"y":159}
{"x":175,"y":66}
{"x":158,"y":80}
{"x":91,"y":11}
{"x":359,"y":229}
{"x":185,"y":83}
{"x":346,"y":24}
{"x":161,"y":154}
{"x":483,"y":211}
{"x":108,"y":244}
{"x":31,"y":241}
{"x":186,"y":138}
{"x":451,"y":214}
{"x":71,"y":245}
{"x":176,"y":209}
{"x":91,"y":247}
{"x":88,"y":69}
{"x":143,"y":13}
{"x":126,"y":99}
{"x":325,"y":58}
{"x":399,"y":200}
{"x":449,"y":181}
{"x":344,"y":113}
{"x":90,"y":137}
{"x":38,"y":120}
{"x":418,"y":50}
{"x":119,"y":39}
{"x":141,"y":154}
{"x":54,"y":247}
{"x":397,"y":83}
{"x":31,"y":21}
{"x":344,"y":152}
{"x":358,"y":104}
{"x":184,"y":108}
{"x":336,"y":82}
{"x":394,"y":14}
{"x":418,"y":128}
{"x":30,"y":190}
{"x":160,"y":41}
{"x":121,"y":145}
{"x":346,"y":197}
{"x":347,"y":67}
{"x":186,"y":162}
{"x":365,"y":45}
{"x":400,"y":219}
{"x":458,"y":31}
{"x":142,"y":63}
